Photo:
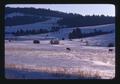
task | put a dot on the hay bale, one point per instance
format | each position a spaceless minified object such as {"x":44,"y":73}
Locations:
{"x":36,"y":41}
{"x":54,"y":41}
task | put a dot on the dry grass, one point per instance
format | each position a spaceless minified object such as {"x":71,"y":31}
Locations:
{"x":64,"y":72}
{"x":81,"y":54}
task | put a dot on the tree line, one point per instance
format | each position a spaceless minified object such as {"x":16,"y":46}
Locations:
{"x":22,"y":32}
{"x":76,"y":33}
{"x":79,"y":21}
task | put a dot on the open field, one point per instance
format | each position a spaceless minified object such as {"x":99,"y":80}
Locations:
{"x":83,"y":61}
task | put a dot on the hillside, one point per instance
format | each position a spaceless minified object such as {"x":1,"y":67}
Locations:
{"x":100,"y":40}
{"x":14,"y":16}
{"x":36,"y":26}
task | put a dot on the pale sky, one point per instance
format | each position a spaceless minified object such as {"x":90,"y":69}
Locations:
{"x":83,"y":9}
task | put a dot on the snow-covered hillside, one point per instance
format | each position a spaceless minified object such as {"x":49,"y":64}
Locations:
{"x":14,"y":14}
{"x":50,"y":23}
{"x":65,"y":31}
{"x":36,"y":26}
{"x":101,"y":40}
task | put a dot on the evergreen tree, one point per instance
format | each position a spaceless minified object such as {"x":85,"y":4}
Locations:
{"x":76,"y":33}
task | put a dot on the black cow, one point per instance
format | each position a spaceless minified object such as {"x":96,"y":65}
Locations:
{"x":68,"y":49}
{"x":110,"y":50}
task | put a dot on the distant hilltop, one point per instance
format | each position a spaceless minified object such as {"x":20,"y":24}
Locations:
{"x":21,"y":16}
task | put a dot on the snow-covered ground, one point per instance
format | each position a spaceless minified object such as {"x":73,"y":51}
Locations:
{"x":65,"y":31}
{"x":14,"y":15}
{"x":38,"y":25}
{"x":23,"y":59}
{"x":101,"y":40}
{"x":53,"y":22}
{"x":89,"y":59}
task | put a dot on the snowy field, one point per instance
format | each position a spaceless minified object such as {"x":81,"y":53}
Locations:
{"x":23,"y":60}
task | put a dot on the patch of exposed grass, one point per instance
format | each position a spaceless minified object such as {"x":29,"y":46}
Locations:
{"x":64,"y":72}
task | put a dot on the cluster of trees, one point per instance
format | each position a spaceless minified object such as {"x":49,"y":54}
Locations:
{"x":29,"y":32}
{"x":111,"y":45}
{"x":54,"y":29}
{"x":68,"y":19}
{"x":76,"y":33}
{"x":33,"y":31}
{"x":80,"y":21}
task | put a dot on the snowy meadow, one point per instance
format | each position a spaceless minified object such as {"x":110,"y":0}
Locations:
{"x":24,"y":59}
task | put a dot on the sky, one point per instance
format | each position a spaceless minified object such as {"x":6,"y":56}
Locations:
{"x":83,"y":9}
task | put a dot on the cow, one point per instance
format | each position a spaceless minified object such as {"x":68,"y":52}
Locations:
{"x":110,"y":50}
{"x":68,"y":49}
{"x":86,"y":43}
{"x":9,"y":40}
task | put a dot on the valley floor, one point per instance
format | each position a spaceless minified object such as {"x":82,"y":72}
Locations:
{"x":23,"y":57}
